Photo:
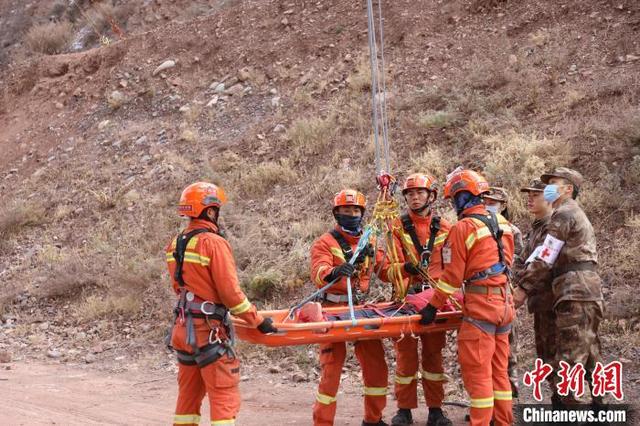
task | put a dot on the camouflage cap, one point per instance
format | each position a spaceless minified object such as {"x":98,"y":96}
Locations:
{"x":571,"y":175}
{"x":536,"y":185}
{"x":497,"y":194}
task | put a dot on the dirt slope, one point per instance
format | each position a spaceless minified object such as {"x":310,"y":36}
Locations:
{"x":96,"y":148}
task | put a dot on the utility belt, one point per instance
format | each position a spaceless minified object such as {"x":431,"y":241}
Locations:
{"x":483,"y":289}
{"x":199,"y":308}
{"x":221,"y":339}
{"x":488,"y":327}
{"x":575,"y":266}
{"x":492,"y":271}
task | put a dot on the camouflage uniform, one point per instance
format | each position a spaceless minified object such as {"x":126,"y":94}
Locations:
{"x":575,"y":285}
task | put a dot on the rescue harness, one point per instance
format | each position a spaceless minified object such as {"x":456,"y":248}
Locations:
{"x":347,"y":252}
{"x":491,"y":222}
{"x":497,"y":268}
{"x":191,"y":306}
{"x":424,"y":251}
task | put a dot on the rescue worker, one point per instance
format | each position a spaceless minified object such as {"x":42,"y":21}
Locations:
{"x":478,"y":252}
{"x":203,"y":274}
{"x":330,"y":256}
{"x":568,"y":259}
{"x":424,"y":235}
{"x":540,"y":303}
{"x":497,"y":201}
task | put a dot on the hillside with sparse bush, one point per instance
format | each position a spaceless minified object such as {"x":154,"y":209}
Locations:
{"x":109,"y":109}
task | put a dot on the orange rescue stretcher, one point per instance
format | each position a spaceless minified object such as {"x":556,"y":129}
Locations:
{"x":291,"y":333}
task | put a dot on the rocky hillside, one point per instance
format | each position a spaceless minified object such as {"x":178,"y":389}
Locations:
{"x":271,"y":100}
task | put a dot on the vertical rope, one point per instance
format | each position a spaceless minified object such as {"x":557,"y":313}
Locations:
{"x":385,"y":120}
{"x":373,"y":59}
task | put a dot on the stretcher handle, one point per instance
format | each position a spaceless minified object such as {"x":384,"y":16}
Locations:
{"x":347,"y":323}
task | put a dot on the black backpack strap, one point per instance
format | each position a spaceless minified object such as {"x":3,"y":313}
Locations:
{"x":181,"y":247}
{"x":494,"y":227}
{"x":410,"y":228}
{"x":347,"y":251}
{"x":424,"y":252}
{"x":433,"y":233}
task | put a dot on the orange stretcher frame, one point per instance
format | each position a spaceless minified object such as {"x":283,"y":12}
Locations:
{"x":292,"y":333}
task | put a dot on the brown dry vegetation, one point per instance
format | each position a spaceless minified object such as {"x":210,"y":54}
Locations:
{"x":463,"y":91}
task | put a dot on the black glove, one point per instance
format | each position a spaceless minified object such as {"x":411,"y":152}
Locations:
{"x":367,"y":251}
{"x":411,"y":269}
{"x":344,"y":270}
{"x":428,"y":314}
{"x":266,"y":327}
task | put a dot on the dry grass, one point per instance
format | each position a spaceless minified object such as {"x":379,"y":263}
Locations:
{"x":513,"y":159}
{"x":360,"y":80}
{"x":16,"y":216}
{"x":51,"y":38}
{"x":264,"y":285}
{"x":263,"y":178}
{"x":433,"y":161}
{"x":65,"y":275}
{"x":100,"y":307}
{"x":438,"y":119}
{"x":311,"y":136}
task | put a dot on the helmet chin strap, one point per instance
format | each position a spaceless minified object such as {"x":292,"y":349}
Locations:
{"x":419,"y":210}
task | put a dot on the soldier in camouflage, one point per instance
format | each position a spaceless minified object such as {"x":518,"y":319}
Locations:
{"x":539,"y":302}
{"x":568,"y":259}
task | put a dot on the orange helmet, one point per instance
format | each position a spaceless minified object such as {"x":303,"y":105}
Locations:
{"x":419,"y":181}
{"x":350,"y":197}
{"x":198,"y":196}
{"x":465,"y":180}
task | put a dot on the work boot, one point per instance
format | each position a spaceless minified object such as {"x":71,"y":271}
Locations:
{"x":379,"y":423}
{"x":402,"y":418}
{"x":437,"y":418}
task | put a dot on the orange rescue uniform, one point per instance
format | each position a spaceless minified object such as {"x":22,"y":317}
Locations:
{"x":483,"y":339}
{"x":209,"y":272}
{"x":432,"y":371}
{"x":325,"y":255}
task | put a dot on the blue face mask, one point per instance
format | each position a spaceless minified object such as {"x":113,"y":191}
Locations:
{"x":551,"y":193}
{"x":351,"y":224}
{"x":493,"y":209}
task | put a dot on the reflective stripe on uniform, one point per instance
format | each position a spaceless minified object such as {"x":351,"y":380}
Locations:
{"x":325,"y":399}
{"x":192,"y":257}
{"x":406,"y":380}
{"x":476,"y":235}
{"x":506,"y":229}
{"x":192,"y":243}
{"x":503,"y":395}
{"x":375,"y":391}
{"x":484,"y":232}
{"x":186,"y":419}
{"x":446,"y":287}
{"x":482,"y":402}
{"x":241,"y":307}
{"x":319,"y":280}
{"x":433,"y":377}
{"x":223,"y":422}
{"x":441,"y":238}
{"x":337,"y":252}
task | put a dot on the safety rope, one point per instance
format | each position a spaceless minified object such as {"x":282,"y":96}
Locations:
{"x":378,"y":90}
